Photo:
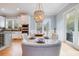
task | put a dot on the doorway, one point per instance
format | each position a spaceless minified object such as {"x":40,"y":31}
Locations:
{"x":72,"y":27}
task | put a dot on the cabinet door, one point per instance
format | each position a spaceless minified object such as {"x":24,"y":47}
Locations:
{"x":2,"y":22}
{"x":9,"y":23}
{"x":7,"y":38}
{"x":16,"y":34}
{"x":1,"y":39}
{"x":16,"y":24}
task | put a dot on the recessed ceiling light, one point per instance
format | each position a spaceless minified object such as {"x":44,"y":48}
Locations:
{"x":2,"y":9}
{"x":18,"y":9}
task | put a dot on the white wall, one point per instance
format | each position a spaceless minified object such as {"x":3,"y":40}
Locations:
{"x":60,"y":23}
{"x":60,"y":27}
{"x":32,"y":23}
{"x":53,"y":22}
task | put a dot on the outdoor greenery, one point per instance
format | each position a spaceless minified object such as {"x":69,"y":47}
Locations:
{"x":70,"y":22}
{"x":39,"y":27}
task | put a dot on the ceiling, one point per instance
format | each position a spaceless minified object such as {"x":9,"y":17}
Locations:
{"x":13,"y":9}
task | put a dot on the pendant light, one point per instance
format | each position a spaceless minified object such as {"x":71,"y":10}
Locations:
{"x":39,"y":14}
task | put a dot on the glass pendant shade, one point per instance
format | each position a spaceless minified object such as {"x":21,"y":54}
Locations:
{"x":39,"y":15}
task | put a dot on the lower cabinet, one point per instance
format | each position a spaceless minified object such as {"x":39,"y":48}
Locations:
{"x":5,"y":39}
{"x":16,"y":34}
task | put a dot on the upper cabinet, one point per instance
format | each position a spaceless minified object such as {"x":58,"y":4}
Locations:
{"x":24,"y":18}
{"x":2,"y":22}
{"x":12,"y":23}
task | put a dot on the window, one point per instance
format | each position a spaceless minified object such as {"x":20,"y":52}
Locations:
{"x":70,"y":17}
{"x":46,"y":28}
{"x":70,"y":21}
{"x":39,"y":27}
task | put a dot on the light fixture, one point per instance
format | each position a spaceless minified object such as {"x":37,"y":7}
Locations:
{"x":39,"y":14}
{"x":18,"y":9}
{"x":2,"y":9}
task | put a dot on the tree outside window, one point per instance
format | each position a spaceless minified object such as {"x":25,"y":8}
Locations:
{"x":70,"y":22}
{"x":39,"y":27}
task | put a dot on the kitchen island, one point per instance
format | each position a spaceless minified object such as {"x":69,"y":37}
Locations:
{"x":48,"y":48}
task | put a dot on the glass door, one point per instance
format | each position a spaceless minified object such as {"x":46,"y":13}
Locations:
{"x":72,"y":29}
{"x":70,"y":25}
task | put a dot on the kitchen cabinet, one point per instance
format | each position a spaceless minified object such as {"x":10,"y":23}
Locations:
{"x":16,"y":34}
{"x":5,"y":39}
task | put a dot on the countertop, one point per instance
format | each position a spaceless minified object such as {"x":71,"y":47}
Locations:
{"x":12,"y":30}
{"x":48,"y":42}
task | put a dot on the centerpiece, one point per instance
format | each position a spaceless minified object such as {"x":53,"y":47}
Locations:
{"x":40,"y":40}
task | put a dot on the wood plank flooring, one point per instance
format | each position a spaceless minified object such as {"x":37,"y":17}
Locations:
{"x":13,"y":50}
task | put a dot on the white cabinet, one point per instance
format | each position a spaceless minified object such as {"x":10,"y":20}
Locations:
{"x":2,"y":21}
{"x":24,"y":19}
{"x":16,"y":34}
{"x":7,"y":37}
{"x":13,"y":23}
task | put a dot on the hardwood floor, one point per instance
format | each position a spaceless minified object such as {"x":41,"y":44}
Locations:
{"x":16,"y":50}
{"x":67,"y":50}
{"x":13,"y":50}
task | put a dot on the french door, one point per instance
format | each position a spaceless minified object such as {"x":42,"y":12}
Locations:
{"x":72,"y":27}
